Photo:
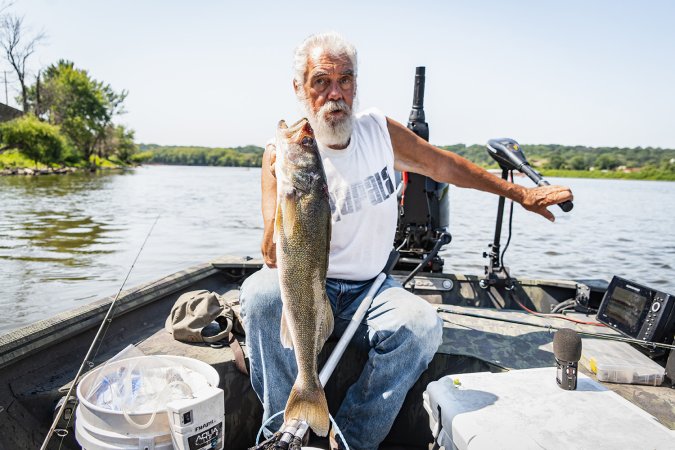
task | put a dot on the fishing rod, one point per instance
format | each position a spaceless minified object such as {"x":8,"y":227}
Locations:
{"x":106,"y":322}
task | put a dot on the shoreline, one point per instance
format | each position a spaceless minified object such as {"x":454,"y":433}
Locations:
{"x":30,"y":172}
{"x":608,"y":175}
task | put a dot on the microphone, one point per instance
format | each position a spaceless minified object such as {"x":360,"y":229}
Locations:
{"x":567,"y":351}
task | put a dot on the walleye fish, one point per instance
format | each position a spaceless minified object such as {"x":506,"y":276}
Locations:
{"x":302,"y":236}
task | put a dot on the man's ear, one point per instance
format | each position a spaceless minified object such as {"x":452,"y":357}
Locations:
{"x":295,"y":86}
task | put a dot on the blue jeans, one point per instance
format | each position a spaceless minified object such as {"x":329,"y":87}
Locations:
{"x":403,"y":333}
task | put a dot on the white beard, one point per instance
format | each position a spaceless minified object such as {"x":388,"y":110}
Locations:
{"x":332,"y":133}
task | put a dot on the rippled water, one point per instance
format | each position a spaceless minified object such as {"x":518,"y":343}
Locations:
{"x":67,"y":240}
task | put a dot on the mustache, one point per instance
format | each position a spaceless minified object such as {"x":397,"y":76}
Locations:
{"x":334,"y":106}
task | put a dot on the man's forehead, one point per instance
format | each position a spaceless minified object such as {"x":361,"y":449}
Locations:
{"x":323,"y":61}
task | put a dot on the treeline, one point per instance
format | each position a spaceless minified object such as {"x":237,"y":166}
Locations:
{"x":552,"y":159}
{"x":561,"y":160}
{"x":67,"y":114}
{"x":248,"y":156}
{"x":69,"y":121}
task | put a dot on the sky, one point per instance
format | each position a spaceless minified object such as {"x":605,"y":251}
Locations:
{"x":218,"y":73}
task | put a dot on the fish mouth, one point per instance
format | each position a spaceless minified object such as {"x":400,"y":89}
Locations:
{"x":299,"y":133}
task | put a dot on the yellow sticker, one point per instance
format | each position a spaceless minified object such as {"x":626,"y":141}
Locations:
{"x":594,"y":365}
{"x":515,"y":146}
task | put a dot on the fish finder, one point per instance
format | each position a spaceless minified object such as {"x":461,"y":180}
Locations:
{"x":638,"y":311}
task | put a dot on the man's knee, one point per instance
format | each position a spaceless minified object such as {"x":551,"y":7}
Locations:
{"x":415,"y":320}
{"x":427,"y":327}
{"x":260,"y":294}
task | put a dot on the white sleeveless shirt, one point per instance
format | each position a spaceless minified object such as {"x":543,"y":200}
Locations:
{"x":363,"y":203}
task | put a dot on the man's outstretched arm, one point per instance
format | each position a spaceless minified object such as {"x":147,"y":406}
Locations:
{"x":414,"y":154}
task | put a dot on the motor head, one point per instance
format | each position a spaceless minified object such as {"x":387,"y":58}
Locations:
{"x":507,"y":153}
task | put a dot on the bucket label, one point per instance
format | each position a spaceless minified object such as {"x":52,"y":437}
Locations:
{"x":207,"y":439}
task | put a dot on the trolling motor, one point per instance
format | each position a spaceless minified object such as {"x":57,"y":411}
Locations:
{"x":510,"y":157}
{"x":423,"y":204}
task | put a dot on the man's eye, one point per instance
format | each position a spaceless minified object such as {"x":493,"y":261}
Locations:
{"x":346,"y":81}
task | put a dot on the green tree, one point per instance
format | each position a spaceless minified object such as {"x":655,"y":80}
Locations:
{"x":607,"y":162}
{"x":82,"y":106}
{"x":578,"y":162}
{"x":120,"y":143}
{"x":556,"y":162}
{"x":37,"y":140}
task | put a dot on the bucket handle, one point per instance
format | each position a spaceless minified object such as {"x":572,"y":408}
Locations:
{"x":143,"y":426}
{"x":140,"y":426}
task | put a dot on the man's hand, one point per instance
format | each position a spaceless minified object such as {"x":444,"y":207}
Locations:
{"x":269,"y":248}
{"x":269,"y":205}
{"x":271,"y":150}
{"x":537,"y":199}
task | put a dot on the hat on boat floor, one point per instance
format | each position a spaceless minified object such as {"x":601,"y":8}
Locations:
{"x":193,"y":312}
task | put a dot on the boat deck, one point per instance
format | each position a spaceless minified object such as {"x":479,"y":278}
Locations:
{"x":37,"y":364}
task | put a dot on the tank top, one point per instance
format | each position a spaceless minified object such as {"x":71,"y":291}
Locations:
{"x":363,"y":203}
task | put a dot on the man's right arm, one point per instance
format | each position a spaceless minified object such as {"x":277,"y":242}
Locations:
{"x":269,"y":205}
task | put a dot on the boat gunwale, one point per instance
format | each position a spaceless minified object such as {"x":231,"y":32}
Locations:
{"x":24,"y":341}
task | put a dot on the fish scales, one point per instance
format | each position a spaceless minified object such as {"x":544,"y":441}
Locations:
{"x":302,"y":233}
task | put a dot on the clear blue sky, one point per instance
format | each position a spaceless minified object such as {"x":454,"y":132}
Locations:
{"x":217,"y":73}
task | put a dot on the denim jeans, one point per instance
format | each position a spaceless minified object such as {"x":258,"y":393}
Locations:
{"x":402,"y":331}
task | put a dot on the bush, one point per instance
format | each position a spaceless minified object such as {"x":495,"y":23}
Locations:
{"x":37,"y":140}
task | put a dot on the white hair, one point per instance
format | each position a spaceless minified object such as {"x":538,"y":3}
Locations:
{"x":331,"y":42}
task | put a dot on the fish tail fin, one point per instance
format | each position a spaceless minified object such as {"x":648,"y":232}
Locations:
{"x":308,"y":403}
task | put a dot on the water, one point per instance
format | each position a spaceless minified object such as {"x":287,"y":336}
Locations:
{"x":68,"y":240}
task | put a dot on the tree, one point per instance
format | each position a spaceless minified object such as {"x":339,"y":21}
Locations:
{"x":578,"y":162}
{"x":82,"y":106}
{"x":37,"y":140}
{"x":607,"y":162}
{"x":118,"y":140}
{"x":556,"y":162}
{"x":18,"y":48}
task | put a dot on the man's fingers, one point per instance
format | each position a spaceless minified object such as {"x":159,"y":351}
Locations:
{"x":552,"y":195}
{"x":272,"y":149}
{"x":563,"y":195}
{"x":548,"y":214}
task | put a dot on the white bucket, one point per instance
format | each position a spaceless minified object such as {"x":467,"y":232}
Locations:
{"x":98,"y":428}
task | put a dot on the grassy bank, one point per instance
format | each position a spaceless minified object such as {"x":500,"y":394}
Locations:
{"x":645,"y":174}
{"x":12,"y":161}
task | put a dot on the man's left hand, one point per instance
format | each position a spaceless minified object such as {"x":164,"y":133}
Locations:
{"x":537,"y":199}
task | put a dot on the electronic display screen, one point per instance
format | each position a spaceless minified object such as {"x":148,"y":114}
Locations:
{"x":625,"y":309}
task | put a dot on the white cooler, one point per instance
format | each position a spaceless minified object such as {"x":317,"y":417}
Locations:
{"x":525,"y":409}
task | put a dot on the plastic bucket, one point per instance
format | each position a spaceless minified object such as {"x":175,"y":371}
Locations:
{"x":99,"y":428}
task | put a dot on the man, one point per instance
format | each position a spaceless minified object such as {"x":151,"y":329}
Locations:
{"x":360,"y":154}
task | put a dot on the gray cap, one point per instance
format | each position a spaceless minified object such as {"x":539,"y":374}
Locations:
{"x":192,"y":312}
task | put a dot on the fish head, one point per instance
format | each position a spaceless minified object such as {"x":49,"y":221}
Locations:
{"x":296,"y":147}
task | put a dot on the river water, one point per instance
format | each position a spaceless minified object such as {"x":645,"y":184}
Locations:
{"x":68,"y":240}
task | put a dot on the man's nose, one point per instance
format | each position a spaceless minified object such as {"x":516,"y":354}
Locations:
{"x":335,"y":92}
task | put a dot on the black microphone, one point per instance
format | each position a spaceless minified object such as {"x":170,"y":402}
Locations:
{"x":567,"y":351}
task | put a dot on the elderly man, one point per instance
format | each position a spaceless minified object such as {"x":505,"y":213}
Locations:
{"x":401,"y":330}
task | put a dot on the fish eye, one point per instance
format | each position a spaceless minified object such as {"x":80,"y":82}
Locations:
{"x":307,"y":141}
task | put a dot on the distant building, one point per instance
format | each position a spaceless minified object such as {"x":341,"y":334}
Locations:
{"x":9,"y":113}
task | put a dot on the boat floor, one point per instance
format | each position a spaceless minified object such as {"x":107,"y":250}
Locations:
{"x":470,"y":344}
{"x":474,"y":340}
